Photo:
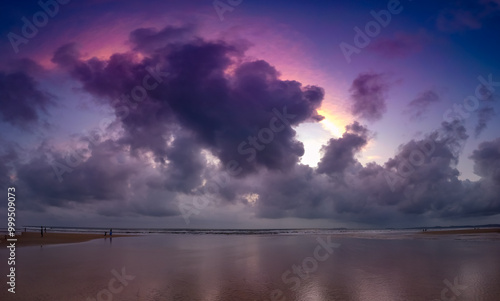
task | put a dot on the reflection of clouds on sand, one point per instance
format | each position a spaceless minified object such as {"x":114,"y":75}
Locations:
{"x":211,"y":267}
{"x":312,"y":291}
{"x":373,"y":287}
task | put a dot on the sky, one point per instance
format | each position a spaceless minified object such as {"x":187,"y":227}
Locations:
{"x":251,"y":114}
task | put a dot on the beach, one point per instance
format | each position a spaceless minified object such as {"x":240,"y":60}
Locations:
{"x":259,"y":267}
{"x":35,"y":238}
{"x":463,"y":231}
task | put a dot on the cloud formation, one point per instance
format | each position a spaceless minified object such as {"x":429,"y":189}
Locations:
{"x":182,"y":103}
{"x":401,"y":44}
{"x":423,"y":174}
{"x":189,"y":110}
{"x":368,"y":95}
{"x":150,"y":39}
{"x":339,"y":153}
{"x":222,"y":112}
{"x":21,"y":100}
{"x":487,"y":161}
{"x":420,"y":105}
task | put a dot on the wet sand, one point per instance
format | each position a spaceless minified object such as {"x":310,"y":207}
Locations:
{"x":34,"y":238}
{"x":257,"y":268}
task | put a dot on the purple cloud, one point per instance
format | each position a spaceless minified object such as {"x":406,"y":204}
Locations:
{"x":339,"y":153}
{"x":368,"y":93}
{"x":420,"y":105}
{"x":21,"y":100}
{"x":219,"y":111}
{"x":401,"y":44}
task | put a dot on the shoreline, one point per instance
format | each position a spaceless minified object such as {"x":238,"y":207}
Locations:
{"x":34,"y":238}
{"x":462,"y":231}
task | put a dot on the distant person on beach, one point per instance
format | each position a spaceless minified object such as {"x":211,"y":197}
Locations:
{"x":110,"y":232}
{"x":45,"y":229}
{"x":41,"y":230}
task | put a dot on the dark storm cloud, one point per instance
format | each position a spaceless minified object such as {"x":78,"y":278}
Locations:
{"x":368,"y":93}
{"x":207,"y":97}
{"x":487,"y":160}
{"x":426,"y":170}
{"x":185,"y":164}
{"x":198,"y":98}
{"x":484,"y":115}
{"x":21,"y":100}
{"x":339,"y":153}
{"x":223,"y":112}
{"x":420,"y":105}
{"x":425,"y":173}
{"x":97,"y":178}
{"x":112,"y":78}
{"x":298,"y":193}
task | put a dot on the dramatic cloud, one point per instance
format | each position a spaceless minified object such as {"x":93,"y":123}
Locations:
{"x":97,"y":177}
{"x":183,"y":112}
{"x":487,"y":160}
{"x":420,"y":180}
{"x":339,"y":153}
{"x":420,"y":105}
{"x":21,"y":101}
{"x":244,"y":116}
{"x":201,"y":112}
{"x":299,"y":193}
{"x":368,"y":92}
{"x":191,"y":111}
{"x":93,"y":175}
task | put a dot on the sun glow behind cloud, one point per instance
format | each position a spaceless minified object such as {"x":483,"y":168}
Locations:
{"x":331,"y":124}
